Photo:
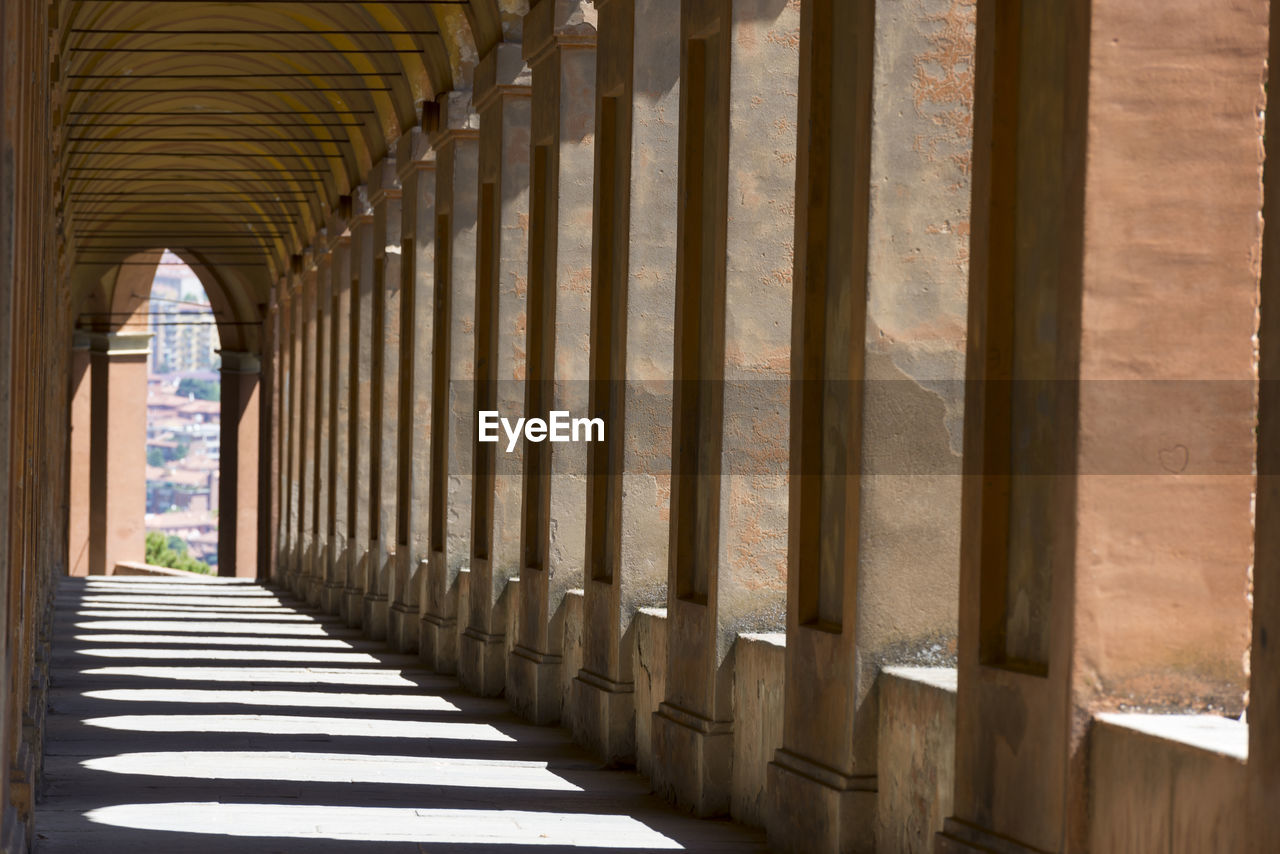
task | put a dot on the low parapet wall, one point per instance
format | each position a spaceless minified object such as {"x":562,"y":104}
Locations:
{"x":130,"y":567}
{"x":1157,"y":782}
{"x":1170,"y":783}
{"x":916,"y":707}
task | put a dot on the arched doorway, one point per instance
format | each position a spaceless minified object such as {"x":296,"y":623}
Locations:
{"x":184,"y":393}
{"x":114,"y":340}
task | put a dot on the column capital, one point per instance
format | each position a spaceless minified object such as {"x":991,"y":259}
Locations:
{"x":384,"y":182}
{"x":239,"y":362}
{"x":120,"y":343}
{"x":361,"y":210}
{"x":414,"y":151}
{"x":455,"y":118}
{"x":502,"y":72}
{"x":556,"y":24}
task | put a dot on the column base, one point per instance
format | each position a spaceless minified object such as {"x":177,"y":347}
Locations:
{"x":815,"y":809}
{"x":301,"y":569}
{"x":315,"y":579}
{"x":961,"y":837}
{"x":604,"y":718}
{"x":331,"y":597}
{"x":692,"y":760}
{"x":482,"y":662}
{"x":402,"y":628}
{"x":438,"y":643}
{"x":353,"y":607}
{"x":376,"y":616}
{"x":533,"y":688}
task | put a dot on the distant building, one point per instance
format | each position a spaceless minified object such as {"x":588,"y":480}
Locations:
{"x":185,"y":338}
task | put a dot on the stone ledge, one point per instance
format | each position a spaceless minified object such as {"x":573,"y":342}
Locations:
{"x":915,"y":756}
{"x":131,"y":567}
{"x":1211,"y":733}
{"x":1172,"y":783}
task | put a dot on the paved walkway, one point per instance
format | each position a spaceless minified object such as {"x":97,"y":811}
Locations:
{"x":201,"y":716}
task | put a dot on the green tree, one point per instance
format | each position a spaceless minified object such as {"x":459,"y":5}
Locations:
{"x":202,"y":389}
{"x":172,"y":552}
{"x":155,"y":457}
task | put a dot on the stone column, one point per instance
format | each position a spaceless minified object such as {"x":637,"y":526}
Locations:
{"x":384,"y":427}
{"x":340,"y":377}
{"x":269,"y":460}
{"x":268,"y":445}
{"x":359,"y":418}
{"x":297,"y":385}
{"x":1264,"y":661}
{"x":739,"y":79}
{"x":877,"y":396}
{"x":284,"y":363}
{"x":319,"y":503}
{"x":118,"y":449}
{"x":560,"y":48}
{"x":81,"y":455}
{"x":306,"y":427}
{"x":633,"y":320}
{"x":416,"y":165}
{"x":238,"y":469}
{"x":503,"y":100}
{"x":1109,"y":419}
{"x":455,"y":137}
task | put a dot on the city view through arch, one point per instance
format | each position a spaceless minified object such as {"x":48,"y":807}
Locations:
{"x":183,"y":422}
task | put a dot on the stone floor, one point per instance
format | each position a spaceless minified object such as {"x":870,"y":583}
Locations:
{"x":208,"y":715}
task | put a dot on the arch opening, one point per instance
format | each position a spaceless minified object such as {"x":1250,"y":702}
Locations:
{"x":184,"y":393}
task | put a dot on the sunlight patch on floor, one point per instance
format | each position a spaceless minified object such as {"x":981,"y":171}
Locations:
{"x":218,"y":640}
{"x":200,"y":627}
{"x":387,"y":824}
{"x":177,"y":612}
{"x":283,"y":675}
{"x":279,"y":699}
{"x":220,"y":601}
{"x":233,"y":655}
{"x":297,"y":725}
{"x":337,"y":768}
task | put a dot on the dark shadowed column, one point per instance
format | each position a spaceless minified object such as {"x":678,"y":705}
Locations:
{"x":502,"y":97}
{"x":384,"y":196}
{"x":238,"y":484}
{"x":81,"y":415}
{"x":416,"y":164}
{"x":728,"y":559}
{"x":340,"y":380}
{"x":559,"y":46}
{"x":633,"y":297}
{"x":359,"y":421}
{"x":877,"y":395}
{"x":454,"y":133}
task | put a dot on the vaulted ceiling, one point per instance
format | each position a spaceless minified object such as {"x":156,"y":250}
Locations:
{"x":227,"y":131}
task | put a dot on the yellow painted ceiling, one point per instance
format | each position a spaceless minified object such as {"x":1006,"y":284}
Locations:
{"x":228,"y":130}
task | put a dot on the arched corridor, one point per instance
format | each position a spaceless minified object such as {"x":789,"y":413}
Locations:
{"x":808,"y":425}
